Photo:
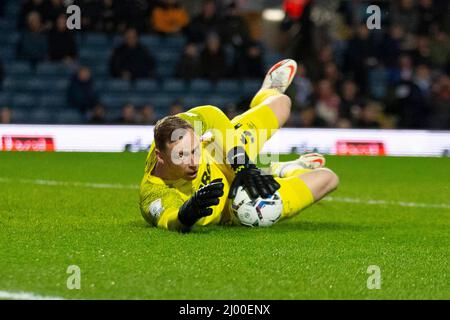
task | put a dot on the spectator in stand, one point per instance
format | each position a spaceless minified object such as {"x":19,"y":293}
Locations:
{"x":5,"y":115}
{"x":133,"y":13}
{"x":404,"y":71}
{"x":327,"y":102}
{"x":405,"y":14}
{"x":27,"y":7}
{"x":61,"y":42}
{"x":410,"y":105}
{"x":440,"y":110}
{"x":147,"y":115}
{"x":309,"y":118}
{"x":55,"y":8}
{"x":249,"y":61}
{"x":351,"y":104}
{"x":421,"y":53}
{"x":371,"y":116}
{"x":90,"y":12}
{"x":359,"y":56}
{"x":391,"y":45}
{"x":324,"y":57}
{"x":331,"y":73}
{"x":207,"y":21}
{"x":97,"y":115}
{"x":169,"y":17}
{"x":440,"y":49}
{"x":128,"y":114}
{"x":175,"y":108}
{"x":131,"y":60}
{"x":33,"y":45}
{"x":303,"y":87}
{"x":422,"y":78}
{"x":213,"y":59}
{"x":427,"y":14}
{"x":189,"y":65}
{"x":234,"y":29}
{"x":80,"y":93}
{"x":107,"y":21}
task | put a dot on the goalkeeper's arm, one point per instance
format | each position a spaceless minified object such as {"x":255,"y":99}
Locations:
{"x":198,"y":206}
{"x":247,"y":174}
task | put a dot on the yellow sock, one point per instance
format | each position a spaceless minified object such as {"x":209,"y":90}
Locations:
{"x":263,"y":95}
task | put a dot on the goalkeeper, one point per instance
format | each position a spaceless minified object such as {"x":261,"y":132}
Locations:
{"x":199,"y":158}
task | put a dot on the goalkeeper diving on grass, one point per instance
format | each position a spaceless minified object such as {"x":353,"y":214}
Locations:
{"x":200,"y":161}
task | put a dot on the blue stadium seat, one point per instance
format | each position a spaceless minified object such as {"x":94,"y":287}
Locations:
{"x":8,"y":24}
{"x":140,"y":100}
{"x":16,"y":68}
{"x":228,"y":86}
{"x":151,"y":42}
{"x":167,"y":56}
{"x":52,"y":101}
{"x":69,"y":116}
{"x":42,"y":115}
{"x":174,"y":42}
{"x":12,"y":8}
{"x":146,"y":86}
{"x":95,"y":54}
{"x":250,"y":87}
{"x":20,"y":116}
{"x":23,"y":100}
{"x":16,"y":84}
{"x":191,"y":101}
{"x":115,"y":101}
{"x":174,"y":86}
{"x":165,"y":70}
{"x":57,"y":85}
{"x":53,"y":69}
{"x":99,"y":85}
{"x":4,"y":99}
{"x":117,"y":85}
{"x":96,"y":40}
{"x":7,"y":54}
{"x":9,"y":38}
{"x":200,"y":86}
{"x":220,"y":101}
{"x":161,"y":101}
{"x":100,"y":71}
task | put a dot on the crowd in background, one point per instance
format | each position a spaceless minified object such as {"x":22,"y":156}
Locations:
{"x":349,"y":76}
{"x":396,"y":76}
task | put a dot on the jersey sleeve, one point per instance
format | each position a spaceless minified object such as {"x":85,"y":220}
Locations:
{"x":159,"y":206}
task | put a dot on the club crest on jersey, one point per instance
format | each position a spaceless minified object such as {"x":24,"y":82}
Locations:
{"x":156,"y":208}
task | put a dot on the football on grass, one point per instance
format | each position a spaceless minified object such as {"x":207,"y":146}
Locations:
{"x":259,"y":212}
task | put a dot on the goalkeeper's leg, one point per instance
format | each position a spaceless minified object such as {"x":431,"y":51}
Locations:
{"x":302,"y":187}
{"x":269,"y":109}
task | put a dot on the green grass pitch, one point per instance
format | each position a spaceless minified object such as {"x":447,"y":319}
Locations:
{"x":401,"y":224}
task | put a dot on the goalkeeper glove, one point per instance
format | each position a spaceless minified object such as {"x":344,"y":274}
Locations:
{"x":198,"y":205}
{"x":249,"y":176}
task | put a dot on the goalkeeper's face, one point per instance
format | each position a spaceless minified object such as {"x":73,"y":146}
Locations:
{"x":182,"y":156}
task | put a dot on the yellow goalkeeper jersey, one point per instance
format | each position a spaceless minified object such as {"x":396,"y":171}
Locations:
{"x":161,"y":199}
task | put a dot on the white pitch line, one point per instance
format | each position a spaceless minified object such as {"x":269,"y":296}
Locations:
{"x":136,"y":187}
{"x":388,"y":202}
{"x":72,"y":184}
{"x":25,"y":296}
